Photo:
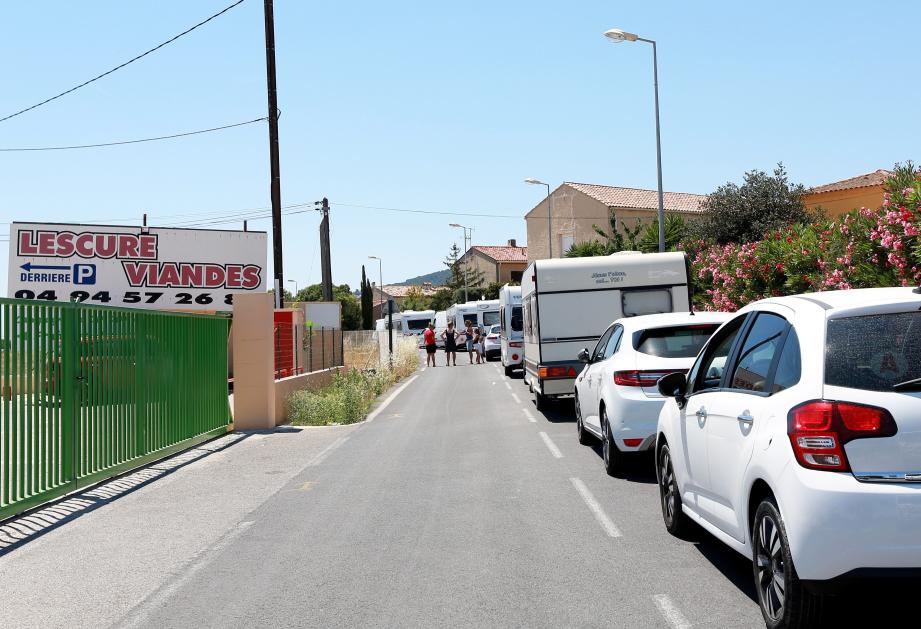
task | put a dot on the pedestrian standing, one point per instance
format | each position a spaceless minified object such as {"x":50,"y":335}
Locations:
{"x":449,"y":334}
{"x":478,"y":344}
{"x":430,"y":347}
{"x":469,"y":335}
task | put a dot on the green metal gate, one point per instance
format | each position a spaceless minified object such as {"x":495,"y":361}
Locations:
{"x":90,"y":391}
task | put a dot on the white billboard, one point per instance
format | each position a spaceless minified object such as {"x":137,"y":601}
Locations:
{"x":137,"y":267}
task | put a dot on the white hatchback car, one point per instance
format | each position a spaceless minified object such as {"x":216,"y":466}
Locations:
{"x":492,"y":346}
{"x":616,"y":398}
{"x":796,"y":439}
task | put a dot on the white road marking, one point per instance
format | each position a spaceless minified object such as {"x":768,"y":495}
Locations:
{"x":670,"y":612}
{"x":140,"y":614}
{"x":609,"y":527}
{"x":389,"y":399}
{"x":516,"y":398}
{"x":508,"y":386}
{"x":423,"y":369}
{"x":550,"y":445}
{"x":325,"y":451}
{"x":530,"y":417}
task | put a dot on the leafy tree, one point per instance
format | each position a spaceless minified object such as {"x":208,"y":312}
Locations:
{"x":761,"y":204}
{"x":443,"y":299}
{"x":415,"y":299}
{"x":588,"y":248}
{"x":676,"y":230}
{"x":475,"y":280}
{"x":351,"y":309}
{"x":367,"y":302}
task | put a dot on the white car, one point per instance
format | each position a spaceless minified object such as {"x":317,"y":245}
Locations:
{"x":616,"y":398}
{"x":492,"y":346}
{"x":796,"y":440}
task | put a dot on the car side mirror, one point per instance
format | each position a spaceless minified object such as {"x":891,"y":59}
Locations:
{"x":674,"y":385}
{"x":584,"y":356}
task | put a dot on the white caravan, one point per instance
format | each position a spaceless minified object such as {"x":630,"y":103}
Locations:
{"x":441,"y":322}
{"x":568,"y":303}
{"x":415,"y":322}
{"x":460,"y":313}
{"x":511,"y":336}
{"x":487,"y":313}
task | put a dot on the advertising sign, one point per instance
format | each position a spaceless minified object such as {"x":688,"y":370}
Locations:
{"x":151,"y":267}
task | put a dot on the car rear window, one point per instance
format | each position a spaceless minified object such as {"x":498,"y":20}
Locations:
{"x":873,"y":352}
{"x":417,"y":324}
{"x":674,"y":342}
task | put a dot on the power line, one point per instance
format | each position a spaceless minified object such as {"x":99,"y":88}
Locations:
{"x":120,"y":66}
{"x":123,"y":142}
{"x":442,"y":212}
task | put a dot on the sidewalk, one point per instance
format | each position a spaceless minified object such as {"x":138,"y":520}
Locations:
{"x":88,"y":560}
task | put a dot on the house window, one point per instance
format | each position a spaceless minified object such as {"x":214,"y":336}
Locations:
{"x":516,"y":276}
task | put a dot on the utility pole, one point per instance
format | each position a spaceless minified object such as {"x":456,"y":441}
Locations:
{"x":273,"y":151}
{"x":327,"y":277}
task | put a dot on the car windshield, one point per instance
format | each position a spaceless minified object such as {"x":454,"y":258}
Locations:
{"x":873,"y":352}
{"x":674,"y":342}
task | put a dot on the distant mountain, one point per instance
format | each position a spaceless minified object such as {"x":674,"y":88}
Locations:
{"x":438,"y":278}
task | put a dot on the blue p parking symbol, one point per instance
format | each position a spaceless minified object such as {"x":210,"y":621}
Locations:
{"x":84,"y":274}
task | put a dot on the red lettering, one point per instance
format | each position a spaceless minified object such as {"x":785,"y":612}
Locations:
{"x":65,"y":245}
{"x":234,"y":276}
{"x":169,"y":275}
{"x":251,"y":277}
{"x":26,"y":246}
{"x":191,"y":275}
{"x":128,"y":246}
{"x":214,"y":275}
{"x":81,"y":245}
{"x":136,"y":272}
{"x":46,"y":243}
{"x":148,"y":246}
{"x":106,"y":245}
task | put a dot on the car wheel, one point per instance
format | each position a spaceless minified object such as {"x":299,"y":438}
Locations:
{"x":540,"y":400}
{"x":613,"y":457}
{"x":508,"y":371}
{"x":783,"y":599}
{"x":676,"y":520}
{"x":584,"y":437}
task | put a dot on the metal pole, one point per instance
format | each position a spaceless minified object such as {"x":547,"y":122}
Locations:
{"x":273,"y":149}
{"x":655,"y":81}
{"x":466,"y":249}
{"x":549,"y":220}
{"x":327,"y":273}
{"x":390,"y":329}
{"x":380,"y":277}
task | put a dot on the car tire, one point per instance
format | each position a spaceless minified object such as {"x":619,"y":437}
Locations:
{"x":585,"y":438}
{"x":508,"y":371}
{"x":540,"y":400}
{"x":676,"y":520}
{"x":785,"y":602}
{"x":613,"y":457}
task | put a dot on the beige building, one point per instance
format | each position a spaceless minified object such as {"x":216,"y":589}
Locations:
{"x":843,"y":196}
{"x":577,"y":206}
{"x":497,"y":263}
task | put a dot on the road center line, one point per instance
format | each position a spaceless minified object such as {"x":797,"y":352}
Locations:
{"x":550,"y":445}
{"x":508,"y":386}
{"x":516,"y":398}
{"x":389,"y":399}
{"x":670,"y":612}
{"x":530,"y":417}
{"x":609,"y":527}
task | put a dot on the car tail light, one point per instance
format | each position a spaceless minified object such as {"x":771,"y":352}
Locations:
{"x":514,"y":356}
{"x":639,"y":378}
{"x":516,"y":344}
{"x":561,"y":371}
{"x":492,"y":336}
{"x":632,"y":443}
{"x":819,"y":429}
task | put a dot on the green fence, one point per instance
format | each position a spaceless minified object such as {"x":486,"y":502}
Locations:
{"x":89,"y":392}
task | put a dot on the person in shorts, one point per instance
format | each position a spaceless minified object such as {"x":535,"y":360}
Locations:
{"x":449,"y":334}
{"x":470,"y":334}
{"x":428,"y":338}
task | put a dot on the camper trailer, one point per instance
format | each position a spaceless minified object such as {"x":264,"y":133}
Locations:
{"x":415,"y":322}
{"x":460,"y":313}
{"x":511,"y":336}
{"x":568,"y":303}
{"x":441,"y":322}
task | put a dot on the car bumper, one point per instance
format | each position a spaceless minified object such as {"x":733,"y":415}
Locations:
{"x":634,"y":419}
{"x":837,"y":525}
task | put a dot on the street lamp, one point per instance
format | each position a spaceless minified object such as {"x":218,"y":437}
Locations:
{"x":295,"y":287}
{"x":616,"y":36}
{"x":380,"y":273}
{"x":538,"y":182}
{"x":466,"y":247}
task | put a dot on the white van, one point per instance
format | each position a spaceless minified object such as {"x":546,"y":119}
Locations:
{"x":441,"y":322}
{"x":380,"y":326}
{"x":415,"y":322}
{"x":511,"y":336}
{"x":567,"y":303}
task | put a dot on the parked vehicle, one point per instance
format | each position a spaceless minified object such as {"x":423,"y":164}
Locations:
{"x":795,"y":440}
{"x":461,"y":313}
{"x":511,"y":335}
{"x":492,"y":346}
{"x":617,"y":400}
{"x":487,"y":312}
{"x":415,"y":322}
{"x":381,"y":325}
{"x":568,"y":303}
{"x":441,"y":322}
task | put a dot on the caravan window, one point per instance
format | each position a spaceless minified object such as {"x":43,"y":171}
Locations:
{"x":644,"y":302}
{"x":490,"y":318}
{"x":516,"y":319}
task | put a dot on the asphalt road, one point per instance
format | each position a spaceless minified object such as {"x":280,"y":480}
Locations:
{"x":458,"y":504}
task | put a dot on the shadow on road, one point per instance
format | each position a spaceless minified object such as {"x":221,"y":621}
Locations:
{"x":29,"y":526}
{"x":558,"y":411}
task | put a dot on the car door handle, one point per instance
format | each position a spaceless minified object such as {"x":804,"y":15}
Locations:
{"x":701,"y":413}
{"x":746,"y":418}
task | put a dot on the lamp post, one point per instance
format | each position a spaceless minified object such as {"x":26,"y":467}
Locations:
{"x":466,"y":247}
{"x":616,"y":35}
{"x":538,"y":182}
{"x":295,"y":287}
{"x":380,"y":277}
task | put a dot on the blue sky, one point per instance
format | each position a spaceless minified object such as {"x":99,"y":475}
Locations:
{"x":439,"y":106}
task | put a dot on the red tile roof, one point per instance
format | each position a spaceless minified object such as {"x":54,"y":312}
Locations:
{"x":503,"y":253}
{"x":876,"y":178}
{"x":615,"y":196}
{"x":401,"y":291}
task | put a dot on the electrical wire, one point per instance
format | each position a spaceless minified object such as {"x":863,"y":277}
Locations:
{"x":123,"y":142}
{"x":441,"y":212}
{"x":120,"y":66}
